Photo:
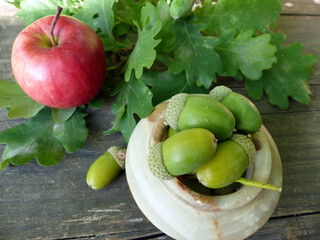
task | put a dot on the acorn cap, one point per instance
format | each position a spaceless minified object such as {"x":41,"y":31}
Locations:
{"x":118,"y":153}
{"x":257,"y":142}
{"x":246,"y":143}
{"x":174,"y":109}
{"x":220,"y":92}
{"x":155,"y":163}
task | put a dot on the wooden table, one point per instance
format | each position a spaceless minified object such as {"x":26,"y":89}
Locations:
{"x":39,"y":202}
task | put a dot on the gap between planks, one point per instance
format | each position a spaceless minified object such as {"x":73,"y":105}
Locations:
{"x":294,"y":215}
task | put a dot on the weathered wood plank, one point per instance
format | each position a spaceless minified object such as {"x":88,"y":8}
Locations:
{"x":9,"y":29}
{"x":293,"y":228}
{"x":55,"y":202}
{"x":295,"y":29}
{"x":296,"y":135}
{"x":156,"y":234}
{"x":299,"y":227}
{"x":302,"y":7}
{"x":304,"y":29}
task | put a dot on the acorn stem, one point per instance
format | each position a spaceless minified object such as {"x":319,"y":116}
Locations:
{"x":122,"y":154}
{"x":251,"y":183}
{"x":53,"y":24}
{"x":119,"y":155}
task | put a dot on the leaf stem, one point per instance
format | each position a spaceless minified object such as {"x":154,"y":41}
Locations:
{"x":251,"y":183}
{"x":116,"y":66}
{"x":125,"y":21}
{"x":53,"y":24}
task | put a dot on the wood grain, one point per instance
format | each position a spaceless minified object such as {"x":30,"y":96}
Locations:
{"x":296,"y":137}
{"x":304,"y":29}
{"x":298,"y":7}
{"x":293,"y":228}
{"x":9,"y":29}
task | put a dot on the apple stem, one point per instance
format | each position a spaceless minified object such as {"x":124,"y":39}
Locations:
{"x":53,"y":24}
{"x":251,"y":183}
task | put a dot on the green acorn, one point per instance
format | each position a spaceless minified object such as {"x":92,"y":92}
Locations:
{"x":106,"y":168}
{"x":182,"y":153}
{"x":199,"y":111}
{"x":248,"y":118}
{"x":172,"y":132}
{"x":229,"y":162}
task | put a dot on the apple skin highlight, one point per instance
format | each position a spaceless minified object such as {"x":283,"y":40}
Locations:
{"x":64,"y":76}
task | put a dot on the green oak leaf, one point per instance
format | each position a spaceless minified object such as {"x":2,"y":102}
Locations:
{"x":257,"y":15}
{"x":134,"y":98}
{"x":19,"y":103}
{"x":165,"y":84}
{"x":15,"y":3}
{"x":61,"y":115}
{"x":4,"y":164}
{"x":103,"y":22}
{"x":86,"y":13}
{"x":128,"y":11}
{"x":289,"y":77}
{"x":143,"y":54}
{"x":73,"y":132}
{"x":255,"y":88}
{"x":124,"y":124}
{"x":32,"y":10}
{"x":151,"y":14}
{"x":194,"y":53}
{"x":121,"y":29}
{"x":277,"y":39}
{"x":249,"y":54}
{"x":43,"y":139}
{"x":70,"y":4}
{"x":97,"y":102}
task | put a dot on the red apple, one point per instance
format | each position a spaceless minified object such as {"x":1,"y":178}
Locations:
{"x":63,"y":76}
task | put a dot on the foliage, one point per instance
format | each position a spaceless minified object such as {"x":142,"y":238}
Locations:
{"x":289,"y":77}
{"x":151,"y":57}
{"x":18,"y":103}
{"x":43,"y":138}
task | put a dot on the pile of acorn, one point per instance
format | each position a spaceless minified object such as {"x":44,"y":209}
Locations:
{"x":209,"y":140}
{"x":209,"y":144}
